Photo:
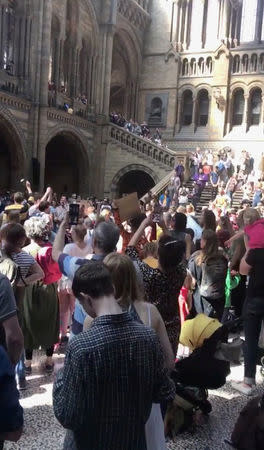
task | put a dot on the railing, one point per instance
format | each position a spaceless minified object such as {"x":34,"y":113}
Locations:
{"x":245,"y":63}
{"x":10,"y":83}
{"x":13,"y":101}
{"x":154,"y":152}
{"x":196,"y":67}
{"x":71,"y":119}
{"x":142,"y":146}
{"x":162,"y":184}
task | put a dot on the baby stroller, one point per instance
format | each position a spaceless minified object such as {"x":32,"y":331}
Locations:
{"x":206,"y":368}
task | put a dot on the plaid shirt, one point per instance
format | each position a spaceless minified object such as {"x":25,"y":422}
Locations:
{"x":112,"y":375}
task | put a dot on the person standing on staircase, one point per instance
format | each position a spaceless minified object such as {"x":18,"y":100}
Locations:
{"x":214,"y":179}
{"x":231,"y":187}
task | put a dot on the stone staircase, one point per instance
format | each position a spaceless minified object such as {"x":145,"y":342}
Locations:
{"x":153,"y":154}
{"x":205,"y":197}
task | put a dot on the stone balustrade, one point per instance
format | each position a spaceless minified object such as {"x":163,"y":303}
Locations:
{"x":71,"y":119}
{"x":157,"y":153}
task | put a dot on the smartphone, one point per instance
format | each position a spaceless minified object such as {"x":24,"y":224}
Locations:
{"x":74,"y":212}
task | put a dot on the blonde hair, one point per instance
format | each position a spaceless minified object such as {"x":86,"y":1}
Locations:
{"x":124,"y":278}
{"x":189,"y":208}
{"x":80,"y":231}
{"x":150,"y":249}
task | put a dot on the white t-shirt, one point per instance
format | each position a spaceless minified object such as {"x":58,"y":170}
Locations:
{"x":74,"y":250}
{"x":210,"y":159}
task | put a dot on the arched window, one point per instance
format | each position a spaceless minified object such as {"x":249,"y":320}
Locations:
{"x":203,"y":108}
{"x":253,"y":63}
{"x":187,"y":107}
{"x":255,"y":107}
{"x":238,"y":107}
{"x":209,"y":64}
{"x":245,"y":63}
{"x":193,"y":67}
{"x":201,"y":65}
{"x":185,"y":67}
{"x":236,"y":64}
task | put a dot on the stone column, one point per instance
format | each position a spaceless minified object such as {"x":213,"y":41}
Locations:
{"x":225,"y":21}
{"x":262,"y":114}
{"x":179,"y":23}
{"x":259,"y":20}
{"x":61,"y":64}
{"x":245,"y":115}
{"x":57,"y":62}
{"x":179,"y":115}
{"x":44,"y":76}
{"x":186,"y":24}
{"x":194,"y":113}
{"x":105,"y":57}
{"x":229,"y":114}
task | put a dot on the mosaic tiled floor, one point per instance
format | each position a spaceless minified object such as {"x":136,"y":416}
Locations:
{"x":42,"y":431}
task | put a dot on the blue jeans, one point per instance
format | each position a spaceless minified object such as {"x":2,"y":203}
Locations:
{"x":20,"y":367}
{"x":253,"y":316}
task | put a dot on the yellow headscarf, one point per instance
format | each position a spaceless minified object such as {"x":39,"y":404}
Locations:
{"x":195,"y":331}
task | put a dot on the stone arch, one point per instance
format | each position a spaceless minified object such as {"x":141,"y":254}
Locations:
{"x":255,"y":85}
{"x":126,"y":61}
{"x":238,"y":85}
{"x":67,"y":161}
{"x":204,"y":86}
{"x":132,"y":168}
{"x":13,"y":165}
{"x":94,"y":21}
{"x":187,"y":87}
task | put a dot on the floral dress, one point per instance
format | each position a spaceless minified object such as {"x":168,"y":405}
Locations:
{"x":162,"y":289}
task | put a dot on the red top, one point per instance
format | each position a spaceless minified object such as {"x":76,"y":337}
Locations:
{"x":255,"y":233}
{"x":49,"y":267}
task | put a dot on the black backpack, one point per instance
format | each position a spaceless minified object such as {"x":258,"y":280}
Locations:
{"x":248,"y":433}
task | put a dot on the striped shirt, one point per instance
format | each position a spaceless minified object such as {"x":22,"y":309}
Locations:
{"x":112,"y":374}
{"x":24,"y":261}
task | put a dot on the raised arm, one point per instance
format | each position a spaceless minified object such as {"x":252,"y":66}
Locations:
{"x":59,"y":242}
{"x":140,"y":231}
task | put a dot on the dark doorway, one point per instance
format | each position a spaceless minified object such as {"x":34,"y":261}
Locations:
{"x":63,"y":164}
{"x":5,"y":169}
{"x":135,"y":181}
{"x":11,"y":161}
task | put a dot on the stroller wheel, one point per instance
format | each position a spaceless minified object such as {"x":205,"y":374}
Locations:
{"x":205,"y":407}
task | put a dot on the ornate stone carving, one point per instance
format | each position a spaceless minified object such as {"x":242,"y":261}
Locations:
{"x":68,"y":119}
{"x":134,"y":13}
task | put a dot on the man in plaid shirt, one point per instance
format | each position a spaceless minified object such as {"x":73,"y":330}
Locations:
{"x":112,"y":374}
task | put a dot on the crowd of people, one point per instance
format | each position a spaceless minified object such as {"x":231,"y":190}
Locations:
{"x":120,"y":296}
{"x":224,"y":176}
{"x":141,"y":130}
